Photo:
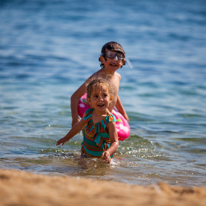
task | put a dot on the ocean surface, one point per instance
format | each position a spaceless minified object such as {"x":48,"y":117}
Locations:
{"x":48,"y":49}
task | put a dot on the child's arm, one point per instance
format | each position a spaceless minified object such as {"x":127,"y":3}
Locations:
{"x":114,"y":142}
{"x":74,"y":130}
{"x":121,"y":109}
{"x":75,"y":101}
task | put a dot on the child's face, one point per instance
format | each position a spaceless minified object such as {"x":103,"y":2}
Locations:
{"x":113,"y":60}
{"x":100,"y":98}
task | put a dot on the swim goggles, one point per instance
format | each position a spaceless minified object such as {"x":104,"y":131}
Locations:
{"x":116,"y":56}
{"x":113,"y":55}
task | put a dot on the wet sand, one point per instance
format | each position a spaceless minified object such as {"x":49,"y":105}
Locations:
{"x":23,"y":188}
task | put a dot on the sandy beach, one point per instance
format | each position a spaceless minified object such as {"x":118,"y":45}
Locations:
{"x":23,"y":188}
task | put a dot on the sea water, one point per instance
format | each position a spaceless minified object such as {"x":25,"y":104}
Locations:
{"x":49,"y":48}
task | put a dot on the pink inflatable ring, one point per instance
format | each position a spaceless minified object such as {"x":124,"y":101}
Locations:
{"x":123,"y":129}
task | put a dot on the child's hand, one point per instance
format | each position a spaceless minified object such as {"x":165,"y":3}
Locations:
{"x":126,"y":117}
{"x":61,"y":141}
{"x":106,"y":157}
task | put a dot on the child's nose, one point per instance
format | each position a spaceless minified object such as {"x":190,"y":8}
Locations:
{"x":116,"y":58}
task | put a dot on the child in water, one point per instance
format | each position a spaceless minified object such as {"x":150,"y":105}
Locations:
{"x":112,"y":58}
{"x":100,"y":137}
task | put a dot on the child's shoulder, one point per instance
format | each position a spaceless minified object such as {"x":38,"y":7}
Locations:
{"x":100,"y":73}
{"x":88,"y":113}
{"x":110,"y":118}
{"x":117,"y":75}
{"x":94,"y":75}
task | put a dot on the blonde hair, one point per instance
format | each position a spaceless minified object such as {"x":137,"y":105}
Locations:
{"x":96,"y":83}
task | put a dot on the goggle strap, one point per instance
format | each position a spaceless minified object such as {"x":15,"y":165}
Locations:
{"x":130,"y":64}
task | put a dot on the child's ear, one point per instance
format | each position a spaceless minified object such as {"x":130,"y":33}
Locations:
{"x":111,"y":98}
{"x":102,"y":59}
{"x":123,"y":62}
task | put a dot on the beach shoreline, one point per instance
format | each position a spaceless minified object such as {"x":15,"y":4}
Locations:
{"x":25,"y":188}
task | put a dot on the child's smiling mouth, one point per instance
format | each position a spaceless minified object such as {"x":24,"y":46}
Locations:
{"x":113,"y":64}
{"x":100,"y":105}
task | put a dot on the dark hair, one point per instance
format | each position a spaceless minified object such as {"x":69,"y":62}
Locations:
{"x":95,"y":83}
{"x":111,"y":46}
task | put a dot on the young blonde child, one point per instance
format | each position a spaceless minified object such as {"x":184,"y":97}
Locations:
{"x":112,"y":58}
{"x":100,"y":137}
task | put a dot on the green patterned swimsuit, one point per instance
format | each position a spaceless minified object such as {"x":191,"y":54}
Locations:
{"x":96,"y":137}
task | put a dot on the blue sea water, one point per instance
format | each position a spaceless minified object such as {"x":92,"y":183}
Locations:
{"x":47,"y":50}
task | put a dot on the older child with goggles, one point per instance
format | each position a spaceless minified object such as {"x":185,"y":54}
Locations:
{"x":112,"y":58}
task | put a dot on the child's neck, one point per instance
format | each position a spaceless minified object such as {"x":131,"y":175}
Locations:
{"x":108,"y":71}
{"x":99,"y":116}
